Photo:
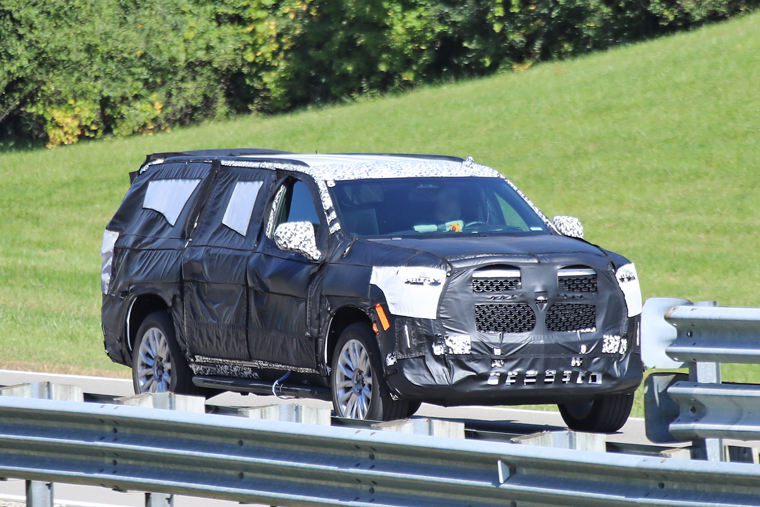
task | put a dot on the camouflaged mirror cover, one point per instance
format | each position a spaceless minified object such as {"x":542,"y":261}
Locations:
{"x":569,"y":226}
{"x":298,"y":237}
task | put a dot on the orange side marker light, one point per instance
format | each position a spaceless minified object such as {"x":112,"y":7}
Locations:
{"x":383,"y":318}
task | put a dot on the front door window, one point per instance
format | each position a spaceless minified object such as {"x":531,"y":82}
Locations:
{"x":294,"y":203}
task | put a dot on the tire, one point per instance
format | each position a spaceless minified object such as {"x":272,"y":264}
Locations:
{"x":358,"y":386}
{"x":156,"y":351}
{"x":414,"y":406}
{"x":603,"y":415}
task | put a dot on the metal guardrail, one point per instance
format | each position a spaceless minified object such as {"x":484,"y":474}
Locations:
{"x":715,"y":334}
{"x":490,"y":430}
{"x":698,"y":406}
{"x":278,"y":463}
{"x":716,"y":411}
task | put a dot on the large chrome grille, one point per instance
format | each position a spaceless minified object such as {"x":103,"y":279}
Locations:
{"x":504,"y":318}
{"x":571,"y":317}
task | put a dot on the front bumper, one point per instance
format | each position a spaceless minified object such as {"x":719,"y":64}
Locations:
{"x":490,"y":379}
{"x":452,"y":360}
{"x":471,"y":381}
{"x":501,"y":338}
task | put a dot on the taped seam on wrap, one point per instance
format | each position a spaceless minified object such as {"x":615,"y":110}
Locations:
{"x":410,"y":291}
{"x":628,"y":280}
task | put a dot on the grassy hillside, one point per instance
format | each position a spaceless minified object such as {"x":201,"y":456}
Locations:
{"x":655,"y":147}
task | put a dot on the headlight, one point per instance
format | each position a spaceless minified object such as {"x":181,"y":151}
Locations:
{"x":628,"y":280}
{"x":106,"y":254}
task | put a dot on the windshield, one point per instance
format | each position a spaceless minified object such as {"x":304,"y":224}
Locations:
{"x":423,"y":206}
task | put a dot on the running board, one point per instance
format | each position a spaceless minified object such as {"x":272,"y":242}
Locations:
{"x":262,"y":388}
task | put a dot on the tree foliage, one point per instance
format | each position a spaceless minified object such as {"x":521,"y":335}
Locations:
{"x":84,"y":68}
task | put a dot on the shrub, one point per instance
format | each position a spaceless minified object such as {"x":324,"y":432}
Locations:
{"x":74,"y":68}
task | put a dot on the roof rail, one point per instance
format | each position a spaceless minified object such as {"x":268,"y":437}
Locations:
{"x":224,"y":152}
{"x":407,"y":155}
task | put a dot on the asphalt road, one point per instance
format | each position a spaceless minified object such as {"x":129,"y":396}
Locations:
{"x":503,"y":419}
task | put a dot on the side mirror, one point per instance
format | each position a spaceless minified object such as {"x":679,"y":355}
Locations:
{"x":297,"y":237}
{"x":569,"y":226}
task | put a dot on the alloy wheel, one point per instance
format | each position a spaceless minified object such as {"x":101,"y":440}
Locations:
{"x":154,"y":366}
{"x":353,"y":380}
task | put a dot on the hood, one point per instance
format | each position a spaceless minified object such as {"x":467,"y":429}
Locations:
{"x":528,"y":247}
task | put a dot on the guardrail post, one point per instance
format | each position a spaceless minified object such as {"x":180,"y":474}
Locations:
{"x":40,"y":493}
{"x":707,"y":373}
{"x":159,"y":500}
{"x":166,"y":401}
{"x":741,"y":454}
{"x":291,"y":412}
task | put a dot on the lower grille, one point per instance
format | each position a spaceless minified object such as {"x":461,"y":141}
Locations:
{"x":504,"y":318}
{"x":570,"y":317}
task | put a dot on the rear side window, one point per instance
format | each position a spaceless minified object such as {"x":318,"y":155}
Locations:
{"x":237,"y":216}
{"x":169,"y":197}
{"x":159,"y":201}
{"x":232,"y":215}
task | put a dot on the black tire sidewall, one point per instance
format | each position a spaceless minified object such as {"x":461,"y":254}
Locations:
{"x":181,"y":381}
{"x":607,"y":414}
{"x":413,"y":407}
{"x":380,"y":397}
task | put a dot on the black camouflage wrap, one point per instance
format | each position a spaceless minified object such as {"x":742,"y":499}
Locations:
{"x":244,"y":308}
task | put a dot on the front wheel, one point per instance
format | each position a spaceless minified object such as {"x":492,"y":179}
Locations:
{"x":358,"y":387}
{"x":158,"y":364}
{"x":602,"y":415}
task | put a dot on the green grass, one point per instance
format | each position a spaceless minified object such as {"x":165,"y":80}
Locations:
{"x":656,"y":147}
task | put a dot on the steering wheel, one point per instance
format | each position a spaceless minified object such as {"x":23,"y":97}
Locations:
{"x":476,"y":222}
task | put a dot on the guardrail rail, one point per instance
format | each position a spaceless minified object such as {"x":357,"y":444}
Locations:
{"x":697,"y":406}
{"x":248,"y":460}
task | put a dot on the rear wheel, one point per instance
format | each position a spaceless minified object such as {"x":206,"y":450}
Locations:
{"x":602,"y":415}
{"x":358,"y":387}
{"x":158,"y":364}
